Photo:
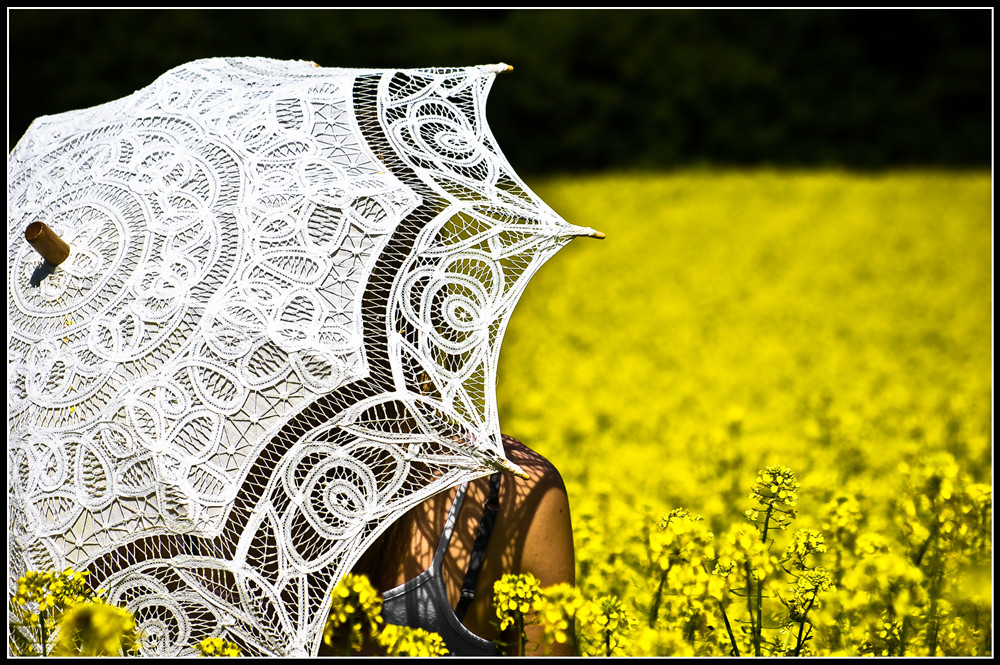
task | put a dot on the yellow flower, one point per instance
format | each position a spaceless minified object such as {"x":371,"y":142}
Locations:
{"x":557,"y":609}
{"x":739,"y":549}
{"x":775,"y":493}
{"x":96,"y":629}
{"x":804,"y":594}
{"x":41,"y":600}
{"x":682,"y":539}
{"x":514,"y":596}
{"x":218,"y":647}
{"x":356,"y":612}
{"x":407,"y":641}
{"x":804,"y":543}
{"x":605,"y":626}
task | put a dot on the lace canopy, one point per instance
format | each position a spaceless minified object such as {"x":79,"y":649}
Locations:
{"x":277,"y":330}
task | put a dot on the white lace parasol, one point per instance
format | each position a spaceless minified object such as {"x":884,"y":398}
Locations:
{"x":276,"y":330}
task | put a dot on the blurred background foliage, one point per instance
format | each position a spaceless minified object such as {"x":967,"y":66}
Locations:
{"x":592,"y":89}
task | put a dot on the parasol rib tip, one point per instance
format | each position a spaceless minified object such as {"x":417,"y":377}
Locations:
{"x":597,"y":234}
{"x":499,"y":68}
{"x":507,"y":465}
{"x":46,"y":242}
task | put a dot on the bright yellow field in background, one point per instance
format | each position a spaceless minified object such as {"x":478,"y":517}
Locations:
{"x":834,"y":323}
{"x":769,"y":395}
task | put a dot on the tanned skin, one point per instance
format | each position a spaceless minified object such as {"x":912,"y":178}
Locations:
{"x":532,"y":534}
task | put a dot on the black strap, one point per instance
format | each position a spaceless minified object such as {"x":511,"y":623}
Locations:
{"x":479,"y":547}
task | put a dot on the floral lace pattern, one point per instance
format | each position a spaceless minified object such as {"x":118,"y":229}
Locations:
{"x":278,"y":329}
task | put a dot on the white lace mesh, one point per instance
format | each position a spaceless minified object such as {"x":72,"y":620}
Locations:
{"x":277,"y":330}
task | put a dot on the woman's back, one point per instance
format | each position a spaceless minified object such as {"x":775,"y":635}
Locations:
{"x":531,"y":534}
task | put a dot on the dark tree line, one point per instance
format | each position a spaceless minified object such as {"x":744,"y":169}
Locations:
{"x":592,"y":89}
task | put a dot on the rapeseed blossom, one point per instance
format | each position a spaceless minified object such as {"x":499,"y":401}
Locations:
{"x":805,"y":542}
{"x":841,"y":516}
{"x":43,"y":598}
{"x":514,"y":596}
{"x":775,"y":494}
{"x":95,"y":628}
{"x":682,"y":538}
{"x":558,"y":609}
{"x":607,"y":626}
{"x":804,"y":595}
{"x":217,"y":647}
{"x":739,"y":551}
{"x":681,"y":552}
{"x":407,"y":641}
{"x":52,"y":591}
{"x":355,"y":614}
{"x":940,"y":503}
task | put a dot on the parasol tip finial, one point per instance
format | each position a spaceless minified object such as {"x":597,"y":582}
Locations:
{"x":46,"y":242}
{"x":506,"y":465}
{"x":498,"y":68}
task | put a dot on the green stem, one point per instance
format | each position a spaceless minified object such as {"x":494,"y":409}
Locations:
{"x":519,"y":621}
{"x":45,"y":637}
{"x":349,"y":642}
{"x":927,"y":543}
{"x":802,"y":627}
{"x":760,"y":590}
{"x":839,"y":567}
{"x":607,"y":643}
{"x":767,"y":519}
{"x":758,"y":635}
{"x":657,"y":597}
{"x":932,"y":623}
{"x":753,"y":626}
{"x":729,"y":629}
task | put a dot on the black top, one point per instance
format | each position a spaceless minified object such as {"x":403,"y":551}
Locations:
{"x":423,"y":601}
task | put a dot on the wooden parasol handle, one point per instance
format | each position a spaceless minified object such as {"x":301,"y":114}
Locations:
{"x":45,"y":241}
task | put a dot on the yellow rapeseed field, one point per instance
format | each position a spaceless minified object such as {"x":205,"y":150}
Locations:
{"x":835,"y":324}
{"x":769,"y":395}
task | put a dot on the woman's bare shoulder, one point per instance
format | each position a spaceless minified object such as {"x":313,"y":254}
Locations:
{"x":536,"y":517}
{"x":531,"y":534}
{"x":542,"y":473}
